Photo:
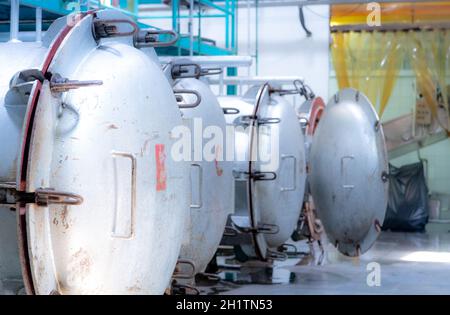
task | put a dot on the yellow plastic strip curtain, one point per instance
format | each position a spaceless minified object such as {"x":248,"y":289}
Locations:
{"x":370,"y":65}
{"x":338,"y":52}
{"x":440,"y":45}
{"x":367,"y":61}
{"x":391,"y":65}
{"x":420,"y":59}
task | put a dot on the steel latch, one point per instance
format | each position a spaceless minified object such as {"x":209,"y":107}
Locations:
{"x":58,"y":84}
{"x":178,"y":274}
{"x":151,"y":38}
{"x":181,"y":101}
{"x":230,"y":111}
{"x":299,"y":88}
{"x":246,"y":120}
{"x":183,"y":289}
{"x":263,"y":228}
{"x":192,"y":70}
{"x":108,"y":28}
{"x":276,"y":255}
{"x":42,"y":197}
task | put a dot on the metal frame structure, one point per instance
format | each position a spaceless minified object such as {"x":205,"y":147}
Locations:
{"x":186,"y":45}
{"x":225,"y":10}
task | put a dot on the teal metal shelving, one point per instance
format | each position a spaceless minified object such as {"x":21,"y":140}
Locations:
{"x":186,"y":45}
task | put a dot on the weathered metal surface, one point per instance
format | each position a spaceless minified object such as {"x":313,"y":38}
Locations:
{"x":211,"y":177}
{"x":111,"y":145}
{"x":276,"y":200}
{"x":349,"y":169}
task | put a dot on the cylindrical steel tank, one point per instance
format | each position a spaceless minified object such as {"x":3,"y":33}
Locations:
{"x":102,"y":202}
{"x":270,"y":186}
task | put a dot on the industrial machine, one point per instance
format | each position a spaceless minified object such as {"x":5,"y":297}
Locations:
{"x":97,"y":200}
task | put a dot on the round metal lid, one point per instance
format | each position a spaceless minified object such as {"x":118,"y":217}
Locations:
{"x":274,"y":185}
{"x":118,"y":231}
{"x":349,"y":168}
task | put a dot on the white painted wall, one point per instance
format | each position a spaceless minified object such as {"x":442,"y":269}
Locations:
{"x":284,"y":49}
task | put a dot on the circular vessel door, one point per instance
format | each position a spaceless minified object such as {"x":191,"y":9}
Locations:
{"x":274,"y":172}
{"x":349,"y":171}
{"x":118,"y":231}
{"x":279,"y":201}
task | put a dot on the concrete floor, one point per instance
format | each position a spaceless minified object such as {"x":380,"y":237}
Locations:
{"x":410,"y":263}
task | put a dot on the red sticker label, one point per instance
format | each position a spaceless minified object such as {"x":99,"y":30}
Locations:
{"x":161,"y":176}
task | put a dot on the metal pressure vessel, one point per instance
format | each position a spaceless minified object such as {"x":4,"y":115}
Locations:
{"x":100,"y":201}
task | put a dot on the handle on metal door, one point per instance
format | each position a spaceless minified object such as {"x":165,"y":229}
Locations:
{"x":180,"y":99}
{"x":197,"y":203}
{"x":150,"y":38}
{"x":343,"y":171}
{"x":133,"y":193}
{"x":294,"y":173}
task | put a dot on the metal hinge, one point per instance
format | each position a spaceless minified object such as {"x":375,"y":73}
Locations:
{"x":42,"y":197}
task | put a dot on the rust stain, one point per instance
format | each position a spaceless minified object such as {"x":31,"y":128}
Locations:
{"x":79,"y":266}
{"x":64,"y":219}
{"x":135,"y":288}
{"x":161,"y":175}
{"x":219,"y":170}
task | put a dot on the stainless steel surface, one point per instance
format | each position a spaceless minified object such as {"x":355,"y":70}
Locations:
{"x":348,"y":172}
{"x":109,"y":144}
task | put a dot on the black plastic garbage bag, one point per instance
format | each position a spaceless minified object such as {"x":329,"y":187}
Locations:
{"x":408,"y":199}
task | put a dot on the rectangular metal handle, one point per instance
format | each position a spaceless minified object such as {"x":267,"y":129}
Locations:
{"x":292,"y":170}
{"x":344,"y":171}
{"x":119,"y":209}
{"x":196,"y":186}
